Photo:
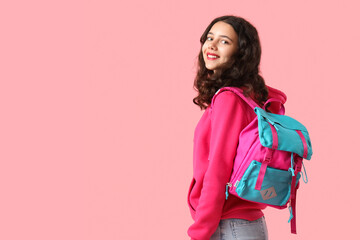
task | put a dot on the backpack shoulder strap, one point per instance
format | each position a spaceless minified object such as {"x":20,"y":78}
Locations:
{"x":237,"y":91}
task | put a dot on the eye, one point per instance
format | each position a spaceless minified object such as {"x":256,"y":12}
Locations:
{"x":208,"y":38}
{"x":226,"y":42}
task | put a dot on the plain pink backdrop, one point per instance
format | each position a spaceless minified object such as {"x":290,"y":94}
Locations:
{"x":97,"y":118}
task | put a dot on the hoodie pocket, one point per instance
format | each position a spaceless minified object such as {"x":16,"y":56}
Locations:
{"x":189,"y":193}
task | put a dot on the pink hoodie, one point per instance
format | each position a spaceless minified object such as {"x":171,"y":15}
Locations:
{"x":215,"y":142}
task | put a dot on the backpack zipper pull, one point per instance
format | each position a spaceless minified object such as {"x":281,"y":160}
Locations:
{"x":291,"y":169}
{"x":227,"y":190}
{"x":291,"y":214}
{"x":302,"y":175}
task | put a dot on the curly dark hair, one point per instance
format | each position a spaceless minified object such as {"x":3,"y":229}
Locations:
{"x":242,"y":71}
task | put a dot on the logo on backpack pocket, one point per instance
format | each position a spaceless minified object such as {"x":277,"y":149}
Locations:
{"x":268,"y":193}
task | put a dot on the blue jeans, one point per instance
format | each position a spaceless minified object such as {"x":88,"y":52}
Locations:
{"x":240,"y":229}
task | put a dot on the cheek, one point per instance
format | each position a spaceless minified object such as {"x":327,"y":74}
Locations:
{"x":203,"y":48}
{"x":229,"y":53}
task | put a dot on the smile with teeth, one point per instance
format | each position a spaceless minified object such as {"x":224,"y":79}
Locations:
{"x":212,"y":56}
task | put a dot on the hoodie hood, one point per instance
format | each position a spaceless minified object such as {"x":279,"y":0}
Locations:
{"x":273,"y":93}
{"x":277,"y":94}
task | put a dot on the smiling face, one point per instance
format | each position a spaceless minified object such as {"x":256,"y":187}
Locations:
{"x":220,"y":45}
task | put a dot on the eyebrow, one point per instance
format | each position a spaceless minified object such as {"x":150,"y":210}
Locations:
{"x":222,"y":36}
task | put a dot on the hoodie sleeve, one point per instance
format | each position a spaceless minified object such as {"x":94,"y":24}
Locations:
{"x":228,"y":118}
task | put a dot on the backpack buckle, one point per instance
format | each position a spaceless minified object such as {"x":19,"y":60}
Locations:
{"x":267,"y":159}
{"x":298,"y":163}
{"x":268,"y":155}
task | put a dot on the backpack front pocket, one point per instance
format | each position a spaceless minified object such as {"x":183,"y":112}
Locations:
{"x":275,"y":189}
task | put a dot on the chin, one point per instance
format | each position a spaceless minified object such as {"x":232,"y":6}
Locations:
{"x":210,"y":68}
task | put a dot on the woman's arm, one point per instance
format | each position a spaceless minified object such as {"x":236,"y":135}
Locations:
{"x":228,"y":118}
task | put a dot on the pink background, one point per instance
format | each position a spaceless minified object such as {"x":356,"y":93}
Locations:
{"x":97,"y":117}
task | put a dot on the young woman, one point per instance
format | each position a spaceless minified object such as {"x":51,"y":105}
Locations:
{"x":229,"y":56}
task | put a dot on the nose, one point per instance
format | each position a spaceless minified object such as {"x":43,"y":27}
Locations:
{"x":211,"y":45}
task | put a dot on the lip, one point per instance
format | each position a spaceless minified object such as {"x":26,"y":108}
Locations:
{"x":212,"y":55}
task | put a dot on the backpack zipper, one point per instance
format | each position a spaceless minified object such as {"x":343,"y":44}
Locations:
{"x":241,"y":167}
